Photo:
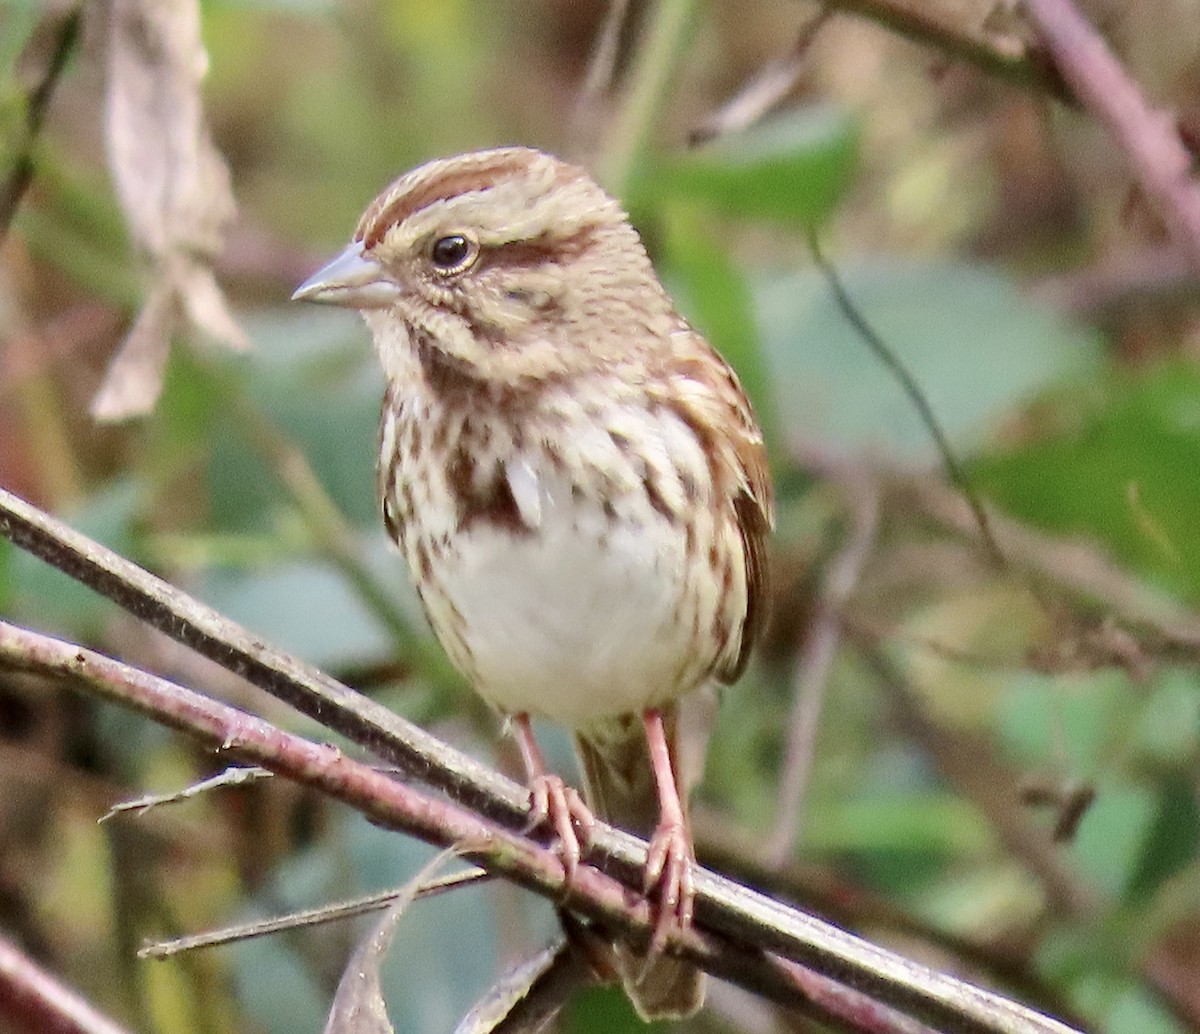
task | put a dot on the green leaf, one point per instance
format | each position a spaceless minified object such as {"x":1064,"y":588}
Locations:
{"x":53,"y":601}
{"x":604,"y":1010}
{"x":1109,"y":844}
{"x":1137,"y":1011}
{"x":793,"y":167}
{"x":309,"y":609}
{"x":974,"y":343}
{"x":1121,"y":469}
{"x":1042,"y":715}
{"x":6,"y":578}
{"x":1167,"y":730}
{"x":1171,"y":842}
{"x":930,"y":822}
{"x":318,"y":381}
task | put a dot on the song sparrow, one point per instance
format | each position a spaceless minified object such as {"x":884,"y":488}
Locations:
{"x":576,"y":480}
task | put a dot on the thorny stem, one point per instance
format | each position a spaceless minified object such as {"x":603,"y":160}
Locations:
{"x":33,"y":1000}
{"x":394,"y":805}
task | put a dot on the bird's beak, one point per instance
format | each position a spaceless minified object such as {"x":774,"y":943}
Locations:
{"x":353,"y":279}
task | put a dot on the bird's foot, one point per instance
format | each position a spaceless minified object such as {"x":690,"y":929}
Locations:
{"x":668,"y":878}
{"x":560,"y":808}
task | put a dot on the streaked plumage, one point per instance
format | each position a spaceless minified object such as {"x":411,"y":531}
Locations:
{"x":574,"y":476}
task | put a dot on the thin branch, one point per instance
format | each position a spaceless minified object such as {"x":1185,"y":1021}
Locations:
{"x":969,"y":764}
{"x":769,"y":85}
{"x":854,"y":1012}
{"x":1159,"y":276}
{"x":311,"y":692}
{"x":526,"y":999}
{"x":753,"y":923}
{"x":1004,"y":57}
{"x":394,"y":805}
{"x":307,"y":917}
{"x":920,"y":401}
{"x":654,"y":59}
{"x":1149,"y":139}
{"x":816,"y":662}
{"x":1164,"y":629}
{"x":1000,"y":959}
{"x":602,"y":64}
{"x":36,"y":1002}
{"x":12,"y":190}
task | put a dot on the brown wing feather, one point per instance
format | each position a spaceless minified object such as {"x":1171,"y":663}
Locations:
{"x":724,"y":420}
{"x":754,"y":509}
{"x":754,"y":523}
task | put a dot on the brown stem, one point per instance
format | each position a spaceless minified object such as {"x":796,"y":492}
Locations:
{"x":36,"y":1002}
{"x":1005,"y":58}
{"x":767,"y":88}
{"x":12,"y":190}
{"x":1149,"y":139}
{"x":394,"y":805}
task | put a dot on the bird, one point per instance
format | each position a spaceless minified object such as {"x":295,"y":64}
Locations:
{"x":578,"y":483}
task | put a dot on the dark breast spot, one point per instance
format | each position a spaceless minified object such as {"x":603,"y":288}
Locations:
{"x":447,"y":376}
{"x":394,"y":517}
{"x":482,"y":497}
{"x":422,"y":567}
{"x":655,"y":496}
{"x":391,"y":520}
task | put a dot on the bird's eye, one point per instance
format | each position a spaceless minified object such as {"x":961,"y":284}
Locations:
{"x":452,"y":254}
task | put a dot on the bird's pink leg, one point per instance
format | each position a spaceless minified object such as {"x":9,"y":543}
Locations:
{"x":551,"y":802}
{"x":669,"y":860}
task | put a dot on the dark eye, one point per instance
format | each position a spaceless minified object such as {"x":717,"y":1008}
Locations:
{"x":452,"y":254}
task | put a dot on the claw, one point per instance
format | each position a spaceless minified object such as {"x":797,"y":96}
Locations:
{"x":669,"y":872}
{"x":554,"y":804}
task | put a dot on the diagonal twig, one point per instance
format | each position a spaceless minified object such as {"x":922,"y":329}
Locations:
{"x":35,"y":1000}
{"x":36,"y":104}
{"x":816,"y":662}
{"x":769,"y":85}
{"x":1148,"y":138}
{"x":602,"y":64}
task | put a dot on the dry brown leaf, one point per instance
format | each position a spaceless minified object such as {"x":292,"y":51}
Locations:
{"x":498,"y":1009}
{"x":358,"y":1006}
{"x":135,"y":374}
{"x":173,"y":186}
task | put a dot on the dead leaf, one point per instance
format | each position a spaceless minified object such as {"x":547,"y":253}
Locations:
{"x":527,"y":998}
{"x":358,"y":1006}
{"x":135,"y":373}
{"x":174,"y":189}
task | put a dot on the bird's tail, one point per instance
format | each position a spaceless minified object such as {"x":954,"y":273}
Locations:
{"x":619,"y":786}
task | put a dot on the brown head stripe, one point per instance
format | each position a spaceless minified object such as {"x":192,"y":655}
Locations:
{"x":388,"y":210}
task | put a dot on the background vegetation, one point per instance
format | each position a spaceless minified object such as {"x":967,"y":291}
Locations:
{"x":913,"y":751}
